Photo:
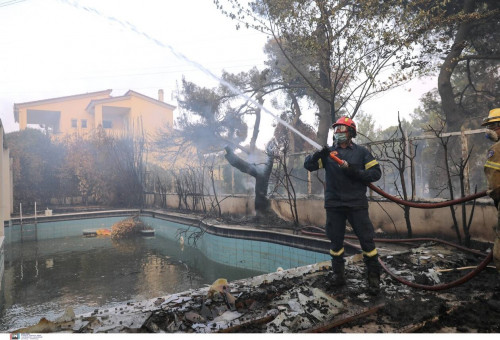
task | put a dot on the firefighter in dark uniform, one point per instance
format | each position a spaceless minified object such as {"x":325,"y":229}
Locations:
{"x":345,"y":199}
{"x":492,"y":172}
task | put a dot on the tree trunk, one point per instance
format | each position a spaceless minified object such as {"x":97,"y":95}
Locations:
{"x":324,"y":123}
{"x":453,"y":112}
{"x":295,"y":120}
{"x":256,"y":127}
{"x":326,"y":107}
{"x":261,"y":173}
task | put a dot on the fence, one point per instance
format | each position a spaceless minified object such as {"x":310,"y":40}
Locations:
{"x":421,"y":158}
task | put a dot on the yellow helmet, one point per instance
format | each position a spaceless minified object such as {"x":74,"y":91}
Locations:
{"x":494,"y":116}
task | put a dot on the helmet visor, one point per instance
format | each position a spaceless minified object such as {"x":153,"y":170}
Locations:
{"x":493,"y":126}
{"x":341,"y":128}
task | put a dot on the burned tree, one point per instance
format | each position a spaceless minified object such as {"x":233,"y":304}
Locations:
{"x":456,"y":170}
{"x":400,"y":153}
{"x":341,"y":53}
{"x":261,"y":173}
{"x":284,"y":177}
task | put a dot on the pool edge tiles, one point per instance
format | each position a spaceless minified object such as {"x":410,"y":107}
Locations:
{"x":237,"y":246}
{"x":259,"y":255}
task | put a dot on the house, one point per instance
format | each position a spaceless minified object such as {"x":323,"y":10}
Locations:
{"x":130,"y":113}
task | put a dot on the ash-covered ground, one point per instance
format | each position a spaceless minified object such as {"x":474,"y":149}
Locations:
{"x":307,"y":303}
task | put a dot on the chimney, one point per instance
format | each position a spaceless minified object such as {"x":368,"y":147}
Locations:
{"x":160,"y":95}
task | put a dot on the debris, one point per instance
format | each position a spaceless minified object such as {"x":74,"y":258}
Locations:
{"x":194,"y":317}
{"x":228,"y":298}
{"x":295,"y":306}
{"x":268,"y":317}
{"x":159,"y":301}
{"x":43,"y":326}
{"x":217,"y":287}
{"x":433,"y":275}
{"x":128,"y":227}
{"x":228,"y":316}
{"x":353,"y":315}
{"x":297,"y":300}
{"x":441,"y":270}
{"x":69,"y":315}
{"x":103,"y":232}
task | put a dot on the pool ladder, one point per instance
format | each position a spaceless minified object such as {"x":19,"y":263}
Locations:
{"x":23,"y":231}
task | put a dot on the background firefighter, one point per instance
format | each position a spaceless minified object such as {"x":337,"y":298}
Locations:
{"x":492,"y":172}
{"x":345,"y":199}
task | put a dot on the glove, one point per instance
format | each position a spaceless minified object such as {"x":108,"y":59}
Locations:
{"x":350,"y":171}
{"x":321,"y":153}
{"x":494,"y":193}
{"x":491,"y":135}
{"x":344,"y":165}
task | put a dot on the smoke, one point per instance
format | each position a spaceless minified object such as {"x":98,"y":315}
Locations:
{"x":131,"y":27}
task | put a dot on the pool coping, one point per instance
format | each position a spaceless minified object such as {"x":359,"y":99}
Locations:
{"x":210,"y":226}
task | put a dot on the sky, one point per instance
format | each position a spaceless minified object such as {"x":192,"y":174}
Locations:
{"x":54,"y":48}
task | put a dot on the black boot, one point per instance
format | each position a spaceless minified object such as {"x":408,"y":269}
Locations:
{"x":338,"y":272}
{"x":373,"y":271}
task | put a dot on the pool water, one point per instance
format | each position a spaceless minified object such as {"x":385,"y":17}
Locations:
{"x":42,"y":278}
{"x":52,"y":267}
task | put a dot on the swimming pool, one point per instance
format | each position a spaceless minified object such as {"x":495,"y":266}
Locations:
{"x":52,"y":266}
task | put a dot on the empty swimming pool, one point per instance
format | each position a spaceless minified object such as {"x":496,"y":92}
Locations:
{"x":52,"y":267}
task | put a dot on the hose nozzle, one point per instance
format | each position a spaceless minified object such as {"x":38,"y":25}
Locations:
{"x":333,"y":155}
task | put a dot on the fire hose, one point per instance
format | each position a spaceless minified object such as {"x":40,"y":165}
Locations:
{"x":426,"y":205}
{"x":455,"y":283}
{"x":444,"y":286}
{"x":379,"y":191}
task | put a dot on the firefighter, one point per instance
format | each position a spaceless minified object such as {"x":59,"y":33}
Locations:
{"x":345,"y":199}
{"x":492,"y":172}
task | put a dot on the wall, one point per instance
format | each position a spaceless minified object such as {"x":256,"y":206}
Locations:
{"x":72,"y":108}
{"x":386,"y":216}
{"x":8,"y":185}
{"x":6,"y":195}
{"x":389,"y":217}
{"x":153,"y":116}
{"x":6,"y":182}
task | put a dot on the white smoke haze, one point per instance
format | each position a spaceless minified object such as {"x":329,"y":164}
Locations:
{"x":93,"y":45}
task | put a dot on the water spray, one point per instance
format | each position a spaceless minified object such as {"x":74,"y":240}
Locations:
{"x":129,"y":26}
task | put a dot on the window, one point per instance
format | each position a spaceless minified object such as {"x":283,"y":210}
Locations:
{"x":84,"y":123}
{"x":73,"y":123}
{"x":106,"y":124}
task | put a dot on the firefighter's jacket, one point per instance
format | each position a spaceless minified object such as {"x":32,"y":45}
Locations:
{"x":343,"y":188}
{"x":492,"y":171}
